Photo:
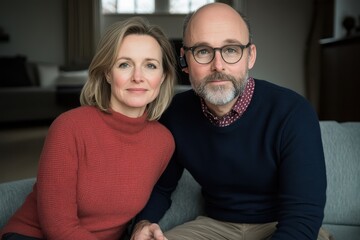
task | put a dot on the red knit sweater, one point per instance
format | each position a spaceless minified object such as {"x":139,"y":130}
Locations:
{"x":96,"y":172}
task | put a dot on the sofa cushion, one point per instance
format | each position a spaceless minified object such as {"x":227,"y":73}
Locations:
{"x":341,"y":148}
{"x":48,"y":74}
{"x":14,"y":72}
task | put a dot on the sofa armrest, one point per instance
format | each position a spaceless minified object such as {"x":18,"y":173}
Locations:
{"x":12,"y":196}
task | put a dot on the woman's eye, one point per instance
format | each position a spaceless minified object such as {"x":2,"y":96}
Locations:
{"x":151,"y":66}
{"x":123,"y":65}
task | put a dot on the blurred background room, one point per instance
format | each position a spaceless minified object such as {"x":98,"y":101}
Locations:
{"x":309,"y":46}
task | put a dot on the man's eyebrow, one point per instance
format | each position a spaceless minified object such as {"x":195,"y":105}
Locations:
{"x":200,"y":44}
{"x":232,"y":41}
{"x":226,"y":41}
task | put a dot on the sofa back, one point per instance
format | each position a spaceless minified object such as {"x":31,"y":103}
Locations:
{"x":12,"y":196}
{"x":341,"y":143}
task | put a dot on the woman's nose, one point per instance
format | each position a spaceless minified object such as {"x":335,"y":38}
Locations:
{"x":137,"y":75}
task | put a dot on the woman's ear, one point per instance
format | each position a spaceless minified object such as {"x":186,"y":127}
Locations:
{"x":108,"y":77}
{"x":163,"y":78}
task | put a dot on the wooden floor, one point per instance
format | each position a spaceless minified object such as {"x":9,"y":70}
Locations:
{"x":20,"y":149}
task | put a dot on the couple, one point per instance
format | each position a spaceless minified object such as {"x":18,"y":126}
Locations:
{"x":255,"y":148}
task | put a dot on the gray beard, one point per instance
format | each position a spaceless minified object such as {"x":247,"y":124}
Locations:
{"x":221,"y":95}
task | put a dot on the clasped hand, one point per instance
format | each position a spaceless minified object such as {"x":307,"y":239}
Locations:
{"x":145,"y":230}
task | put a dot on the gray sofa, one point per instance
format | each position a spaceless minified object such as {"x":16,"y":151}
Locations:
{"x":342,"y":213}
{"x":28,"y":91}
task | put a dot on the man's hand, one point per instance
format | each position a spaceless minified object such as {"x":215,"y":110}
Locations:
{"x":145,"y":230}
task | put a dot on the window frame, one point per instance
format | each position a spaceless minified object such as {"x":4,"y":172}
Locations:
{"x":162,"y":7}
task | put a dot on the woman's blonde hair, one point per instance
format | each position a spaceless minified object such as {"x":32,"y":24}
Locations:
{"x":97,"y":91}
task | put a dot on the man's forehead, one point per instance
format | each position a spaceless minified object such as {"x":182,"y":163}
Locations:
{"x":217,"y":32}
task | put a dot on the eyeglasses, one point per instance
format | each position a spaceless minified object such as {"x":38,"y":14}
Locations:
{"x":230,"y":53}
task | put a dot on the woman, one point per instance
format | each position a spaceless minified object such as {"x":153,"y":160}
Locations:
{"x":100,"y":161}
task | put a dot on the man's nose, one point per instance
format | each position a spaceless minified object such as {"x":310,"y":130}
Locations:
{"x":218,"y":62}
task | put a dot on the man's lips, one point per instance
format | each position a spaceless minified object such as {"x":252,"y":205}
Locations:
{"x":218,"y":81}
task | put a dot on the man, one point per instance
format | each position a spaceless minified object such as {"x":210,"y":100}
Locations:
{"x":254,"y":147}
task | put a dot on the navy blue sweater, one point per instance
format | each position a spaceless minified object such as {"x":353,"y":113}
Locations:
{"x":267,"y":166}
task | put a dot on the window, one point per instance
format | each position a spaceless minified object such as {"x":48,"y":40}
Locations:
{"x":128,"y":6}
{"x":186,"y":6}
{"x":151,"y":6}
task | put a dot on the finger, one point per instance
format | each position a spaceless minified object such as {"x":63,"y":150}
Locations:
{"x":156,"y":232}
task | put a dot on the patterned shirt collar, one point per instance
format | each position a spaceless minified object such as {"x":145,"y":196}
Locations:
{"x":237,"y":110}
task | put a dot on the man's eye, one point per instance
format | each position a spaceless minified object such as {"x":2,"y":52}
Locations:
{"x":231,"y":50}
{"x":202,"y":51}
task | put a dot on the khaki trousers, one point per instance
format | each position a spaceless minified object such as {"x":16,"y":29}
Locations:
{"x":205,"y":228}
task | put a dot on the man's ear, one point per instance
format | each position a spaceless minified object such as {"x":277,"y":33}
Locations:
{"x":183,"y":62}
{"x":252,"y":56}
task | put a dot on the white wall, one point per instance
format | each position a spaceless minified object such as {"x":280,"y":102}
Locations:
{"x":280,"y":29}
{"x":36,"y":29}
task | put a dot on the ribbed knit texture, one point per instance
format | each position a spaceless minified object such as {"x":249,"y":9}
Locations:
{"x":96,"y":172}
{"x":266,"y":166}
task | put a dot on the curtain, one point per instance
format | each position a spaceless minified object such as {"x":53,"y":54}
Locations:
{"x":83,"y":31}
{"x":321,"y":27}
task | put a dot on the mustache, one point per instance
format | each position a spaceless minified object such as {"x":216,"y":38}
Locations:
{"x":217,"y":76}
